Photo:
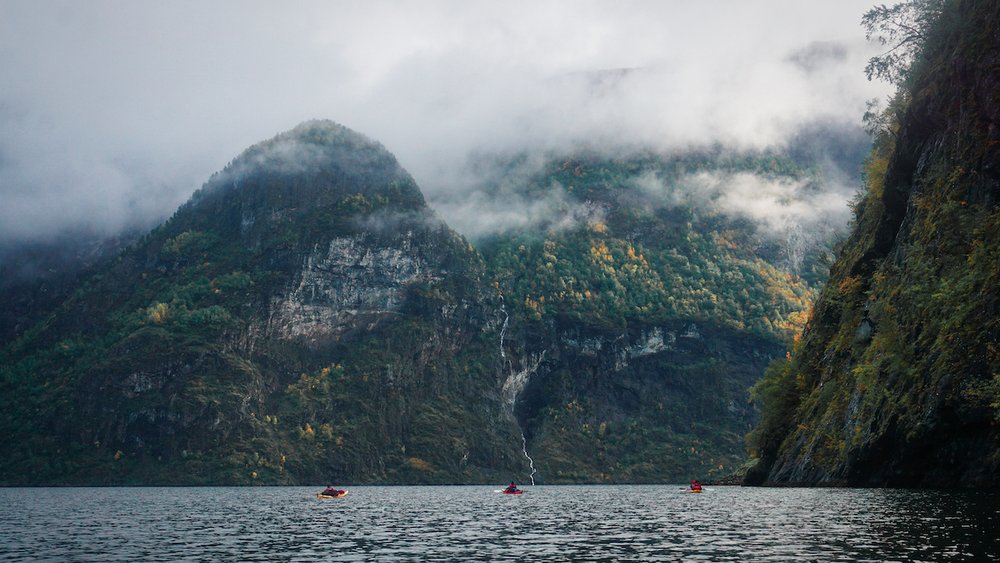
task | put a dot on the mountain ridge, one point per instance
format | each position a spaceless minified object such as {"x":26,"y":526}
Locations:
{"x":306,"y":316}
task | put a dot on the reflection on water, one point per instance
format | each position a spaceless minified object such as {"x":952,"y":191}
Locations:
{"x":471,"y":522}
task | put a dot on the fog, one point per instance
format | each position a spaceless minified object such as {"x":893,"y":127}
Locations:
{"x":114,"y":113}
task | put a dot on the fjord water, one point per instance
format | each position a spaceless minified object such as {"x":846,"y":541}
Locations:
{"x":477,"y":523}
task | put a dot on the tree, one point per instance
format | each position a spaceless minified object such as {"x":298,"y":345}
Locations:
{"x":903,"y":28}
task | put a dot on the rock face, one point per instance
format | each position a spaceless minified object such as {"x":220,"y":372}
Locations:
{"x":596,"y":395}
{"x":351,"y":281}
{"x":895,"y":380}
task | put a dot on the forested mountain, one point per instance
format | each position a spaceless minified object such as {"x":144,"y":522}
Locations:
{"x":306,"y":317}
{"x":896,"y":380}
{"x":640,"y":317}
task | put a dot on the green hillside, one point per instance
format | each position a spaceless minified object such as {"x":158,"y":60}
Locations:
{"x":636,"y":256}
{"x":637,"y":327}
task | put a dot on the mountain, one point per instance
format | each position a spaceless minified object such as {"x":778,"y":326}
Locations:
{"x":639,"y":319}
{"x":307,"y":318}
{"x":896,"y":380}
{"x":304,"y":317}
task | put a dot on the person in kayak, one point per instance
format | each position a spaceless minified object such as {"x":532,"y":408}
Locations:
{"x":330,"y":491}
{"x":695,"y":485}
{"x":512,"y":488}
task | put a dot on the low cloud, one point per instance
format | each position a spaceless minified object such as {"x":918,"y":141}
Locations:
{"x":112,"y":114}
{"x":775,"y":204}
{"x":481,"y":214}
{"x":500,"y":195}
{"x":819,"y":55}
{"x":800,"y":213}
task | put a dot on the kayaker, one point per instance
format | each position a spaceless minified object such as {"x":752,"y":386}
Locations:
{"x":332,"y":492}
{"x":512,"y":488}
{"x":695,"y":485}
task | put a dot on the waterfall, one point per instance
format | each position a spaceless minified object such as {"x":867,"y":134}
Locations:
{"x":516,"y":381}
{"x":503,"y":330}
{"x":512,"y":387}
{"x":531,"y":462}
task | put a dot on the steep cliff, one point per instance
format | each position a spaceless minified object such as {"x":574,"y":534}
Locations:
{"x":648,"y":403}
{"x":896,"y":380}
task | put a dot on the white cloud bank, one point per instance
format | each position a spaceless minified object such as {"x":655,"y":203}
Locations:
{"x":113,"y":112}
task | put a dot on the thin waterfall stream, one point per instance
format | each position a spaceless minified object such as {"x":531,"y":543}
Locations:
{"x":531,"y":462}
{"x":515,"y":383}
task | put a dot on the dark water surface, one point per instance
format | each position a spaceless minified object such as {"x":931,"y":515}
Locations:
{"x":475,"y":523}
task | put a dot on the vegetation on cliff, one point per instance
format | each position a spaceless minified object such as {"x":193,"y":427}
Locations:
{"x":895,"y":380}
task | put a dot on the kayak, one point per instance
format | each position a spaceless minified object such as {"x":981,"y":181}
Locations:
{"x":322,"y":496}
{"x":512,"y":492}
{"x":696,"y":490}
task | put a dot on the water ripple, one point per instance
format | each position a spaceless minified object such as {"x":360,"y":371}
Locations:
{"x":593,"y":523}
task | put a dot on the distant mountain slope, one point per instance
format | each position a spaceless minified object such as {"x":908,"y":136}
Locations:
{"x":640,"y":314}
{"x":896,"y":380}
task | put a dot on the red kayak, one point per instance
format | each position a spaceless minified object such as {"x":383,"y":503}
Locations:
{"x":517,"y":492}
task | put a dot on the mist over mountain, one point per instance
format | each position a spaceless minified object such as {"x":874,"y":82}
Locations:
{"x":565,"y":248}
{"x":35,"y":277}
{"x":111,"y":116}
{"x":306,"y":313}
{"x":799,"y":201}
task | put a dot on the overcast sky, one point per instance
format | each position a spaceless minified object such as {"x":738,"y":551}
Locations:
{"x":115,"y":112}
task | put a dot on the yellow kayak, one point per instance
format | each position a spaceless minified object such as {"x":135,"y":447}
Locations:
{"x":322,"y":496}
